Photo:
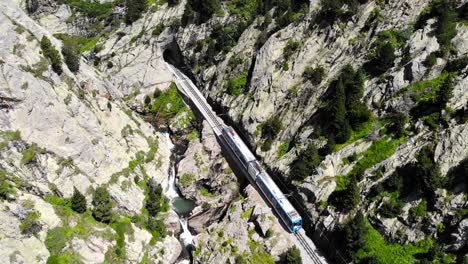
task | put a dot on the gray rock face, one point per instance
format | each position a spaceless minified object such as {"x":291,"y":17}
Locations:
{"x":460,"y":236}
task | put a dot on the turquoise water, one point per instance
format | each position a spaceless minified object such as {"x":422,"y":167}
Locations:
{"x":182,"y":206}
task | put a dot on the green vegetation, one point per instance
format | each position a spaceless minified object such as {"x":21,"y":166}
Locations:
{"x":78,"y":201}
{"x":314,"y":75}
{"x":158,"y":29}
{"x":122,"y":227}
{"x":283,"y":148}
{"x":391,"y":208}
{"x":6,"y":188}
{"x":291,"y":47}
{"x":71,"y":54}
{"x":92,"y":9}
{"x":243,"y":9}
{"x":445,"y":29}
{"x":258,"y":254}
{"x":421,"y":178}
{"x":293,"y":256}
{"x":29,"y":155}
{"x":381,"y":60}
{"x":419,"y":211}
{"x":205,"y":192}
{"x":169,"y":103}
{"x":375,"y":245}
{"x":306,"y":163}
{"x":200,"y":11}
{"x":30,"y":224}
{"x":332,"y":10}
{"x":344,"y":111}
{"x":187,"y":179}
{"x":57,"y":239}
{"x":247,"y":213}
{"x":7,"y":136}
{"x":153,"y":201}
{"x":134,"y":9}
{"x":237,"y":85}
{"x":52,"y":54}
{"x":157,"y":227}
{"x":102,"y":205}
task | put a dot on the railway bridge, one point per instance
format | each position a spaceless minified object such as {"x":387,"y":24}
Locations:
{"x":309,"y":251}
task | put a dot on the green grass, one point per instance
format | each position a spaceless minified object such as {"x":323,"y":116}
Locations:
{"x":247,"y":214}
{"x":57,"y":239}
{"x":424,"y":90}
{"x":92,"y":8}
{"x":122,"y":227}
{"x":283,"y":148}
{"x":8,"y":136}
{"x":29,"y":155}
{"x":244,"y":9}
{"x":356,"y":135}
{"x":379,"y":151}
{"x":391,"y":253}
{"x":236,"y":86}
{"x":205,"y":192}
{"x":187,"y":179}
{"x":169,"y":103}
{"x":259,"y":256}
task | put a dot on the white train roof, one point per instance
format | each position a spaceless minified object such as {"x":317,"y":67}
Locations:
{"x":240,"y":144}
{"x":283,"y":201}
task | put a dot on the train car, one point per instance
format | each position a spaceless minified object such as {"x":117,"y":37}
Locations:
{"x":238,"y":146}
{"x":280,"y":203}
{"x":267,"y":186}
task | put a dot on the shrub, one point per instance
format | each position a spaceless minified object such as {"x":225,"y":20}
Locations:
{"x":291,"y":47}
{"x":314,"y":75}
{"x":199,"y":11}
{"x":30,"y":224}
{"x":271,"y":127}
{"x":71,"y":54}
{"x":430,"y":60}
{"x":186,"y":179}
{"x":206,"y":206}
{"x":355,"y":234}
{"x":346,"y":199}
{"x":102,"y":205}
{"x":381,"y":60}
{"x":306,"y":163}
{"x":153,"y":202}
{"x":157,"y":226}
{"x":158,"y":29}
{"x":293,"y":255}
{"x":391,"y":208}
{"x":134,"y":9}
{"x":147,"y":100}
{"x":52,"y":54}
{"x":397,"y":122}
{"x":419,"y":211}
{"x":6,"y":189}
{"x":237,"y":85}
{"x":78,"y":201}
{"x":29,"y":155}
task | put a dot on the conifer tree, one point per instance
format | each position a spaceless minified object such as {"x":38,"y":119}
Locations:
{"x":102,"y":205}
{"x":78,"y":201}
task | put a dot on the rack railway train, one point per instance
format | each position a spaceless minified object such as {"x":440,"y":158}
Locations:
{"x":262,"y":179}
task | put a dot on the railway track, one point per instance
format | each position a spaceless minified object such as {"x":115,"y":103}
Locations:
{"x":195,"y":95}
{"x":310,"y":251}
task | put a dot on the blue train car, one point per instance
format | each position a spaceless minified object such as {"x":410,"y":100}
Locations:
{"x":270,"y":190}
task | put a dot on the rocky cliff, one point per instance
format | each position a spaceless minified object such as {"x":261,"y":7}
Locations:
{"x":357,"y":108}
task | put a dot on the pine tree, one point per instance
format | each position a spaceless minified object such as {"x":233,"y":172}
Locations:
{"x":71,"y":54}
{"x":445,"y":92}
{"x":50,"y":52}
{"x":78,"y":202}
{"x":134,"y":10}
{"x":153,"y":203}
{"x":102,"y":205}
{"x":293,"y":256}
{"x":339,"y":124}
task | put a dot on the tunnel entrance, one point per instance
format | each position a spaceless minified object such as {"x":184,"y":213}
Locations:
{"x":173,"y":55}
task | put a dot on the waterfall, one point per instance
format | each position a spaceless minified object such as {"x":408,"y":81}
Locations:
{"x":172,"y":192}
{"x":171,"y":188}
{"x":186,"y":236}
